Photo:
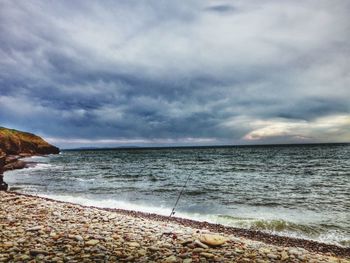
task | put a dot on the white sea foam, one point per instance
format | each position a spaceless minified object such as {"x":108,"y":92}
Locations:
{"x":36,"y":159}
{"x":109,"y":203}
{"x":40,"y":166}
{"x":119,"y":204}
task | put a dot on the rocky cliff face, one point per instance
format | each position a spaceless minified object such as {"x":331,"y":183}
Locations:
{"x":2,"y":160}
{"x":15,"y":144}
{"x":3,"y":185}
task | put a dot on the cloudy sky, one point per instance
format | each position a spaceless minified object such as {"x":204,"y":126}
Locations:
{"x":109,"y":73}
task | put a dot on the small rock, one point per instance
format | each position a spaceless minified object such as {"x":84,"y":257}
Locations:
{"x":170,"y":259}
{"x":198,"y":250}
{"x":301,"y":257}
{"x":264,"y":251}
{"x":112,"y":217}
{"x":187,"y":260}
{"x":78,"y":238}
{"x":284,"y":255}
{"x":272,"y":256}
{"x":207,"y":255}
{"x":24,"y":257}
{"x":115,"y":236}
{"x":35,"y":228}
{"x":184,"y":255}
{"x":22,"y":240}
{"x":154,"y":249}
{"x":92,"y":242}
{"x":186,"y":242}
{"x":54,"y":235}
{"x":294,"y":251}
{"x":133,"y":244}
{"x":56,"y":259}
{"x":239,"y":251}
{"x":7,"y":244}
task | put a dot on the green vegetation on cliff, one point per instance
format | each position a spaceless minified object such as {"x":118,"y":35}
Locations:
{"x":13,"y":142}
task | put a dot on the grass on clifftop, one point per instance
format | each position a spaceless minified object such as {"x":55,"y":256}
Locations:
{"x":14,"y":142}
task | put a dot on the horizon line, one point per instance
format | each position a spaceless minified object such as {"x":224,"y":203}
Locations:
{"x":87,"y":148}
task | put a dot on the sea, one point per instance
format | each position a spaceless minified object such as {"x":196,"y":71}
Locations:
{"x":291,"y":190}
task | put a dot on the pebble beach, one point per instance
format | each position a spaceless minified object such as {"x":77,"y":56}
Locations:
{"x":34,"y":229}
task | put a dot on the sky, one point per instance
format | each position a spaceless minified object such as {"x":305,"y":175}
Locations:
{"x":194,"y":72}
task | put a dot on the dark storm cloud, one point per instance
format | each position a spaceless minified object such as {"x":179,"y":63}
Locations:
{"x":224,"y":8}
{"x":150,"y":72}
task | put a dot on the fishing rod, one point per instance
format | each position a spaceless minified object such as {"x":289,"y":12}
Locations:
{"x":188,"y":178}
{"x":178,"y":198}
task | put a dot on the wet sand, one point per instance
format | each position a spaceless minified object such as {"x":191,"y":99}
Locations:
{"x":34,"y":229}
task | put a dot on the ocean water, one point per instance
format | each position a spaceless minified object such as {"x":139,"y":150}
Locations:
{"x":299,"y":191}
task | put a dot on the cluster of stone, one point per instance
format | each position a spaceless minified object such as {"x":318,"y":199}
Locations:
{"x":33,"y":229}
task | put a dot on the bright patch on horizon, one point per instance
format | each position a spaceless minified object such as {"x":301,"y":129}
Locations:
{"x":324,"y":128}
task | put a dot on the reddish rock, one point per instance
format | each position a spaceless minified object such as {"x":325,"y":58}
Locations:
{"x":17,"y":164}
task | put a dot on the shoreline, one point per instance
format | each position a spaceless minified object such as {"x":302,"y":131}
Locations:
{"x":278,"y":240}
{"x":341,"y":254}
{"x":321,"y":249}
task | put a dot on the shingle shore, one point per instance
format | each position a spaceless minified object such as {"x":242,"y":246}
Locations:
{"x":34,"y":229}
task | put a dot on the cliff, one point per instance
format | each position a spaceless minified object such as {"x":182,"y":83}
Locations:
{"x":15,"y":144}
